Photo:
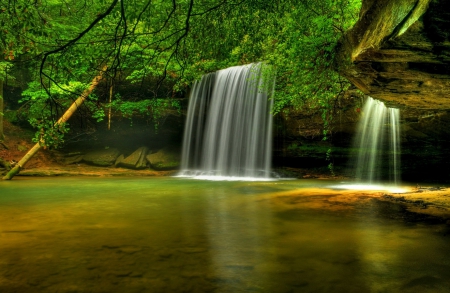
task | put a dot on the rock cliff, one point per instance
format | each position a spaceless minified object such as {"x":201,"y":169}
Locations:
{"x":399,"y":52}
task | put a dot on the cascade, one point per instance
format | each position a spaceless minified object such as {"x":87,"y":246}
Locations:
{"x":228,"y":130}
{"x":378,"y":143}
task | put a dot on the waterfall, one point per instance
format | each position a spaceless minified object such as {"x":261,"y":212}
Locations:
{"x":378,"y":141}
{"x":228,"y":130}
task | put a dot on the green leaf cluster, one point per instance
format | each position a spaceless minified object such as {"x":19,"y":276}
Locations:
{"x":42,"y":106}
{"x":155,"y":109}
{"x":167,"y":45}
{"x":298,"y":38}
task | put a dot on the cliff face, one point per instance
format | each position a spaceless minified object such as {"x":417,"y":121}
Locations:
{"x":399,"y":52}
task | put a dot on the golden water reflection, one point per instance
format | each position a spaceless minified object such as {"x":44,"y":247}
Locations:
{"x":173,"y":235}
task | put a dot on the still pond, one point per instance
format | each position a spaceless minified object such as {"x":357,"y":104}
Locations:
{"x":185,"y":235}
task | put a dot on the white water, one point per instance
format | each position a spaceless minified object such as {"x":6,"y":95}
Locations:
{"x":228,"y":129}
{"x":378,"y":123}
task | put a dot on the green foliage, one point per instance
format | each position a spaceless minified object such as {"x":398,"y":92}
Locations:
{"x":304,"y":54}
{"x":5,"y":67}
{"x":40,"y":109}
{"x":49,"y":135}
{"x":156,"y":109}
{"x":169,"y":44}
{"x":298,"y":38}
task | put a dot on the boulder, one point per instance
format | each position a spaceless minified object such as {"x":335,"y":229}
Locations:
{"x":118,"y":160}
{"x":105,"y":157}
{"x":399,"y":52}
{"x":72,"y":159}
{"x":137,"y":160}
{"x":164,"y":159}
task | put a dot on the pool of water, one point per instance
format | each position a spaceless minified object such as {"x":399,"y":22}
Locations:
{"x":181,"y":235}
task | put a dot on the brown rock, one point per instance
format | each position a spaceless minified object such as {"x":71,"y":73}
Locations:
{"x":399,"y":52}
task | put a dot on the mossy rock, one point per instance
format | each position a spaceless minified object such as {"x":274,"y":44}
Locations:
{"x":118,"y":160}
{"x":73,"y":159}
{"x":106,"y":157}
{"x":165,"y":159}
{"x":137,"y":160}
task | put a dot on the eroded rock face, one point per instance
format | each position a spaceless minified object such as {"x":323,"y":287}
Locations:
{"x":399,"y":52}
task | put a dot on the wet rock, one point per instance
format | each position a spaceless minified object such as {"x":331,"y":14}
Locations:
{"x":164,"y":159}
{"x":105,"y":157}
{"x":137,"y":160}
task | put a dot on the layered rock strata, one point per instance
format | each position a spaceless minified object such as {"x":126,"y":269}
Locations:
{"x":399,"y":52}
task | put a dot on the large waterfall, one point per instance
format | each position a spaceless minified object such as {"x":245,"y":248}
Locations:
{"x":378,"y":144}
{"x":228,"y":129}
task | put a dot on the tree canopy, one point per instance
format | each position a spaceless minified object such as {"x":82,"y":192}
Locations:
{"x":162,"y":46}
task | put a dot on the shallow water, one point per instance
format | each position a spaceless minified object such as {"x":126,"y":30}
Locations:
{"x":180,"y":235}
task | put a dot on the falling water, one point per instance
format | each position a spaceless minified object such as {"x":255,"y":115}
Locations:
{"x":378,"y":141}
{"x":228,"y":129}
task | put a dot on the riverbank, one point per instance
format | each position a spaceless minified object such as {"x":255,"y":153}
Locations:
{"x":83,"y":170}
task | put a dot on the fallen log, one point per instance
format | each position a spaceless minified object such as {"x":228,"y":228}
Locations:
{"x":80,"y":100}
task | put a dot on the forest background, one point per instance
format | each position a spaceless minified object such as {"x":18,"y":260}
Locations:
{"x":52,"y":50}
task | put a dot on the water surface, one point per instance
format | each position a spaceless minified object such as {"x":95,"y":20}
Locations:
{"x":180,"y":235}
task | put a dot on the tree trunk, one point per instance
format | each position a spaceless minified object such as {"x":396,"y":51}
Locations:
{"x":14,"y":171}
{"x":2,"y":136}
{"x":109,"y":108}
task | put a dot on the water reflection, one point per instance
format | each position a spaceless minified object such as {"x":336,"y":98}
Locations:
{"x":174,"y":235}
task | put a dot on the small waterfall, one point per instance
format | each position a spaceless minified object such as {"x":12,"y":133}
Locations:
{"x":228,"y":129}
{"x":378,"y":143}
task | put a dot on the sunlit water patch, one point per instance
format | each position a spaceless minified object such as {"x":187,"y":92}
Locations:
{"x":371,"y":187}
{"x":177,"y":235}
